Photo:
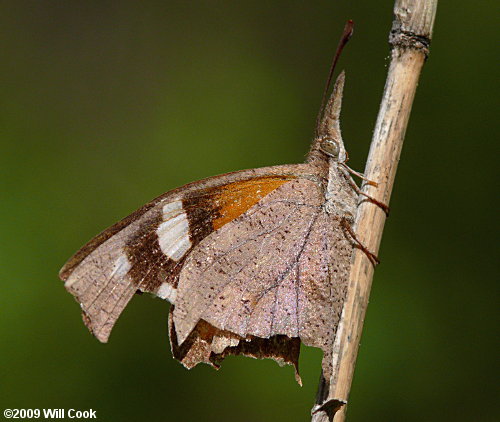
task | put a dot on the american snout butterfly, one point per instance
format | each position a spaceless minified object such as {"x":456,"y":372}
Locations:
{"x":253,"y":262}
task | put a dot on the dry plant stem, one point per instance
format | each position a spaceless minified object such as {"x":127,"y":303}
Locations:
{"x":410,"y":37}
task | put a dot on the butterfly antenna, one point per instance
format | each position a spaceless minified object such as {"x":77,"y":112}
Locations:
{"x":346,"y":35}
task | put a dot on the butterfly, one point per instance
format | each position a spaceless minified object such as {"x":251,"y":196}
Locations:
{"x":253,"y":262}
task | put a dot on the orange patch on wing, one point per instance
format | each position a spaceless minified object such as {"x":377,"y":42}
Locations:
{"x":236,"y":198}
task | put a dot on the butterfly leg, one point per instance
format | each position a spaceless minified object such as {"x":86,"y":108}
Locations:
{"x":371,"y":256}
{"x":357,"y":173}
{"x":356,"y":188}
{"x":360,"y":175}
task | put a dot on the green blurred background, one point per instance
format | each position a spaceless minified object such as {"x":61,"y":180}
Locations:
{"x":105,"y":105}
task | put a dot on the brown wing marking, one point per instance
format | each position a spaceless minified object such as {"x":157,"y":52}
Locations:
{"x":210,"y":345}
{"x":207,"y":210}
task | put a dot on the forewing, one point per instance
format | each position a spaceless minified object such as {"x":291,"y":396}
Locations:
{"x":147,"y":250}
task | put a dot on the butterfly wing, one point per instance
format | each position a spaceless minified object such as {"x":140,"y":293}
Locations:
{"x":146,"y":250}
{"x":277,"y":272}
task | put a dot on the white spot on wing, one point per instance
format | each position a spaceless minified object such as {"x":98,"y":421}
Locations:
{"x":172,"y":209}
{"x":121,"y":267}
{"x":166,"y":291}
{"x":173,"y":233}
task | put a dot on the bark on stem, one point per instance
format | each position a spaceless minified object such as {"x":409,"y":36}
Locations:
{"x":409,"y":38}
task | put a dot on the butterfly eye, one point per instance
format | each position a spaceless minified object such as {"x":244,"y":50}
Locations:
{"x":330,"y":147}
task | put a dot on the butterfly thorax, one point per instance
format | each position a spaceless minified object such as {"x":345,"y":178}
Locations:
{"x":339,"y":195}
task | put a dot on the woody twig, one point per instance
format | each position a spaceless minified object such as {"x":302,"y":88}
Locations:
{"x":409,"y":38}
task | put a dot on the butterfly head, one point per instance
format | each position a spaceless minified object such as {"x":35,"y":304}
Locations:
{"x":328,"y":143}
